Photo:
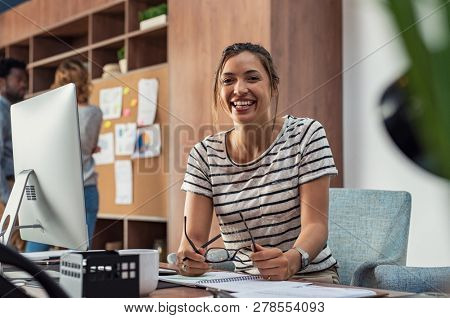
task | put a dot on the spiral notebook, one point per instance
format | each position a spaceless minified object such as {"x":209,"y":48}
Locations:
{"x":228,"y":281}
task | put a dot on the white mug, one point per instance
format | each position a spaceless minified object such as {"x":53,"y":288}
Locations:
{"x":148,"y":268}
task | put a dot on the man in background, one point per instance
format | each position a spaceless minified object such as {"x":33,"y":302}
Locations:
{"x":13,"y":87}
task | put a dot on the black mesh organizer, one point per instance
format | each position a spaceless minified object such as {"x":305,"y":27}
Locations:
{"x":100,"y":274}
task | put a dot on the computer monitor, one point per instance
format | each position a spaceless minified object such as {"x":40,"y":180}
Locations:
{"x":48,"y":193}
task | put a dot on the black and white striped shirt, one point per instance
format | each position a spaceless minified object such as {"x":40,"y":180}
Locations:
{"x":265,"y":190}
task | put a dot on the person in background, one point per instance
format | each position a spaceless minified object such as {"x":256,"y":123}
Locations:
{"x":267,"y":180}
{"x":13,"y":87}
{"x":90,"y":120}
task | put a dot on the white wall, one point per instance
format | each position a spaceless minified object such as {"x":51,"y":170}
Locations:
{"x":373,"y":58}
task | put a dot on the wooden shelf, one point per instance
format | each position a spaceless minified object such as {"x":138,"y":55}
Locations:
{"x":94,"y":37}
{"x":134,"y":6}
{"x":146,"y":218}
{"x":56,"y":59}
{"x":103,"y":55}
{"x":148,"y":47}
{"x":43,"y":74}
{"x":108,"y":231}
{"x":108,"y":42}
{"x":64,"y":38}
{"x":20,"y":50}
{"x":144,"y":234}
{"x":145,"y":31}
{"x":108,"y":23}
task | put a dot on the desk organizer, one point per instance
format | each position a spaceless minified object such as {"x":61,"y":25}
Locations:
{"x":100,"y":274}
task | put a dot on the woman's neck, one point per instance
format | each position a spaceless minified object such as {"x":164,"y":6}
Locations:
{"x":248,"y":142}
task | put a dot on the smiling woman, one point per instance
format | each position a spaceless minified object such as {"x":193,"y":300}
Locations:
{"x":267,"y":179}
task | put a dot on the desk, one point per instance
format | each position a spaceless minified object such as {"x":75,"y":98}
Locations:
{"x":192,"y":292}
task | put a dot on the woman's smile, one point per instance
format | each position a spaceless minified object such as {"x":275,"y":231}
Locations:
{"x":242,"y":106}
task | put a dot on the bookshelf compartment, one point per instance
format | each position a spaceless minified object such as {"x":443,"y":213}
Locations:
{"x":105,"y":55}
{"x":138,"y":5}
{"x":61,"y":39}
{"x":144,"y":234}
{"x":108,"y":234}
{"x":19,"y":51}
{"x":108,"y":23}
{"x":43,"y":76}
{"x":147,"y":48}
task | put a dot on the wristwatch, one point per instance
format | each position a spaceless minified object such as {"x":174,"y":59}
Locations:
{"x":304,"y":258}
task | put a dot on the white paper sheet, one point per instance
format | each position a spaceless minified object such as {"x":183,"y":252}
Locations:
{"x":148,"y":142}
{"x":124,"y":181}
{"x":125,"y":139}
{"x":309,"y":291}
{"x":106,"y":154}
{"x":147,"y":101}
{"x":111,"y":102}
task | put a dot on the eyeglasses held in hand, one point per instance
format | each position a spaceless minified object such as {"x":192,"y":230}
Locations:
{"x":219,"y":254}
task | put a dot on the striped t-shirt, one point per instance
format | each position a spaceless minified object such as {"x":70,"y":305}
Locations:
{"x":265,"y":190}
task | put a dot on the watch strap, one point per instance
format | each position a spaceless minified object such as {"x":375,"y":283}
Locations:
{"x":304,"y":257}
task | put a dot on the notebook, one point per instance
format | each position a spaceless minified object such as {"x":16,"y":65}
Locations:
{"x":229,"y":281}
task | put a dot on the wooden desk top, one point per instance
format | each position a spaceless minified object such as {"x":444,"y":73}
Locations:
{"x":191,"y":292}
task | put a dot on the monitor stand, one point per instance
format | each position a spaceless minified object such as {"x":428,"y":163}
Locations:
{"x":12,"y":208}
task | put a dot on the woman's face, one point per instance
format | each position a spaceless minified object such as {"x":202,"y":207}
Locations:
{"x":245,"y":89}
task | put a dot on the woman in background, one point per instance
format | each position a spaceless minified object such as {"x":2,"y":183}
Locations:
{"x":90,"y":120}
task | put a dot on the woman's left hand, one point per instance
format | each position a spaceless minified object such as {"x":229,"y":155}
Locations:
{"x":273,"y":264}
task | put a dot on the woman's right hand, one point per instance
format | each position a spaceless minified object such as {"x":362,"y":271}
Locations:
{"x":190,"y":263}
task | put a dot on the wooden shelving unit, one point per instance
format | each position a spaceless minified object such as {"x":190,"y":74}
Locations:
{"x":94,"y":37}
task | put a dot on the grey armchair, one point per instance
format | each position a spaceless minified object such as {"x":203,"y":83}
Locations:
{"x":367,"y":228}
{"x":413,"y":279}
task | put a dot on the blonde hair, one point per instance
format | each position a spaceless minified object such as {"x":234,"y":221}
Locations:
{"x":73,"y":71}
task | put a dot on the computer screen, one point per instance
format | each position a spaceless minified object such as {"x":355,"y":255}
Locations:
{"x":48,"y":191}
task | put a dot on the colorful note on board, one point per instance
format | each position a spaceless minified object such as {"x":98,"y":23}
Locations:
{"x":125,"y":139}
{"x":126,"y":112}
{"x":126,"y":90}
{"x":111,"y":102}
{"x":148,"y":142}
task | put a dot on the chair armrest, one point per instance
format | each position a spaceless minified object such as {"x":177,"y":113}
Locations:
{"x":364,"y":275}
{"x":413,"y":279}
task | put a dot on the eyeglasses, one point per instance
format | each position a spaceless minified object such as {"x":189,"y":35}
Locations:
{"x":219,"y":254}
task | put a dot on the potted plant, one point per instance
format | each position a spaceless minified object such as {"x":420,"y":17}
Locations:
{"x":153,"y":17}
{"x":122,"y":60}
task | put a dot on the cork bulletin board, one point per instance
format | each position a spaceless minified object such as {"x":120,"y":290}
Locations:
{"x":150,"y":175}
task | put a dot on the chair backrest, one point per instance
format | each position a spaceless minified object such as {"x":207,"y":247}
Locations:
{"x":367,"y":226}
